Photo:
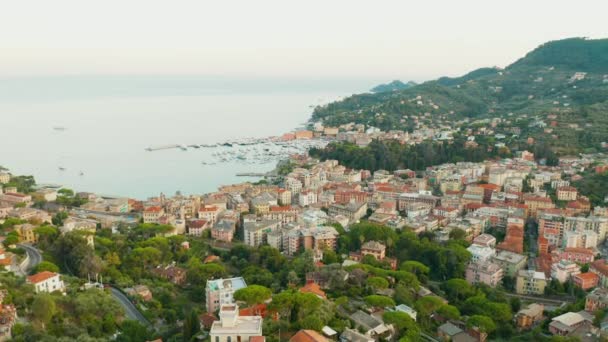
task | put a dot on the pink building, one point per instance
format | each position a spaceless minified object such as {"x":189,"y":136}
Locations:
{"x":486,"y":272}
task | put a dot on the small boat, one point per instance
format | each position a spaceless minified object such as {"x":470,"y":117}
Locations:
{"x":59,"y":128}
{"x":61,"y":168}
{"x":81,"y":173}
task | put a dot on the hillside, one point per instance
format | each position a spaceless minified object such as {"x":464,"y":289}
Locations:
{"x":392,"y":86}
{"x":557,"y":93}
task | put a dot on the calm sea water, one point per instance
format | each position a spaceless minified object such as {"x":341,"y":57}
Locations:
{"x":109,"y":121}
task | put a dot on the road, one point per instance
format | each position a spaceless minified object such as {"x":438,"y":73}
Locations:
{"x":34,"y":257}
{"x":543,"y":299}
{"x":130,"y":309}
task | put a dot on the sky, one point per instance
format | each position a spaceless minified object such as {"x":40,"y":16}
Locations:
{"x":408,"y":40}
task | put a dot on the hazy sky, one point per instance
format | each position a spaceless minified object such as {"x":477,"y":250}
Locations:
{"x":314,"y":39}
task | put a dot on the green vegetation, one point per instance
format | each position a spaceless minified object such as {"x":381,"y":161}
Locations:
{"x":392,"y":86}
{"x":594,"y":186}
{"x":24,"y":184}
{"x":525,"y":92}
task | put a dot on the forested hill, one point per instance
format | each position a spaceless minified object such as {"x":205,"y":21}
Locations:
{"x":392,"y":86}
{"x":562,"y":84}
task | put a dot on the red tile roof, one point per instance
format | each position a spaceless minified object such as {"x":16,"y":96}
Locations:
{"x":587,"y":276}
{"x":308,"y":336}
{"x":313,"y":288}
{"x":40,"y":277}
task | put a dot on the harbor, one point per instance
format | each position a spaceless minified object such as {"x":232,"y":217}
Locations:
{"x":248,"y":150}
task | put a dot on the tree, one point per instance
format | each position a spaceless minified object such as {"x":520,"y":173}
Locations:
{"x":133,"y":331}
{"x":379,"y":301}
{"x":46,"y":266}
{"x":329,"y":257}
{"x":253,"y":294}
{"x":377,"y":283}
{"x":58,"y":219}
{"x":191,"y":326}
{"x":449,"y":312}
{"x":418,"y":268}
{"x":403,"y":322}
{"x":311,"y":322}
{"x":458,"y":289}
{"x":483,"y":323}
{"x":457,"y":234}
{"x":429,"y":304}
{"x":43,"y":308}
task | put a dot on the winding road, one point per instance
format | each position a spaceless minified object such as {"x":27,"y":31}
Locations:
{"x":33,"y":257}
{"x":130,"y":309}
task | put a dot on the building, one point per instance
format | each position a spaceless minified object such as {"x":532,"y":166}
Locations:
{"x":5,"y":177}
{"x":197,"y":227}
{"x":528,"y":317}
{"x":172,"y":273}
{"x":510,"y":262}
{"x":209,"y":213}
{"x":284,"y":197}
{"x":353,"y":211}
{"x":220,"y":292}
{"x":485,"y":240}
{"x":565,"y":324}
{"x":46,"y":282}
{"x":140,"y":290}
{"x":529,"y":282}
{"x":481,"y":253}
{"x":600,"y":267}
{"x":375,"y":249}
{"x":256,"y":232}
{"x":235,"y":328}
{"x":586,"y":281}
{"x":307,"y":198}
{"x":351,"y":335}
{"x":223,"y":230}
{"x":153,"y":214}
{"x":26,"y":233}
{"x":88,"y":227}
{"x":14,"y":198}
{"x":407,"y":310}
{"x":536,"y":203}
{"x":487,"y":273}
{"x":563,"y":270}
{"x":308,"y":336}
{"x":566,"y":193}
{"x":596,"y":300}
{"x":314,"y":288}
{"x":5,"y":261}
{"x":8,"y":317}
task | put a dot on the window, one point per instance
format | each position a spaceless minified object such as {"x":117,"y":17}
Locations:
{"x":217,"y":339}
{"x":229,"y":339}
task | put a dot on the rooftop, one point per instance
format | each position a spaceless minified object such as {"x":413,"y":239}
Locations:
{"x":220,"y":284}
{"x":40,"y":277}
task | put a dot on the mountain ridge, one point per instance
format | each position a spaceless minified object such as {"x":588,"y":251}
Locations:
{"x":562,"y":83}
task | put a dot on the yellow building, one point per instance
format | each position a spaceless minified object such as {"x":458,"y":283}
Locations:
{"x":530,"y":282}
{"x":26,"y":233}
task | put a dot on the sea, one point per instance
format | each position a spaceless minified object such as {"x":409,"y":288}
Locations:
{"x":90,"y":133}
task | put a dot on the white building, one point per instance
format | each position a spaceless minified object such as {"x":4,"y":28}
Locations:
{"x":481,"y":253}
{"x":234,"y":328}
{"x":220,"y":292}
{"x":562,"y":271}
{"x":46,"y":282}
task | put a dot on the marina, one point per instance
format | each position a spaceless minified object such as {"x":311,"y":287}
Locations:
{"x":249,"y":150}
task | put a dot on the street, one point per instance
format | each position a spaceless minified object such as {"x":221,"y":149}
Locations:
{"x":33,"y":257}
{"x":130,"y":309}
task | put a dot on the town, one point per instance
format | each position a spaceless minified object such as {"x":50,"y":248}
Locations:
{"x":464,"y":251}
